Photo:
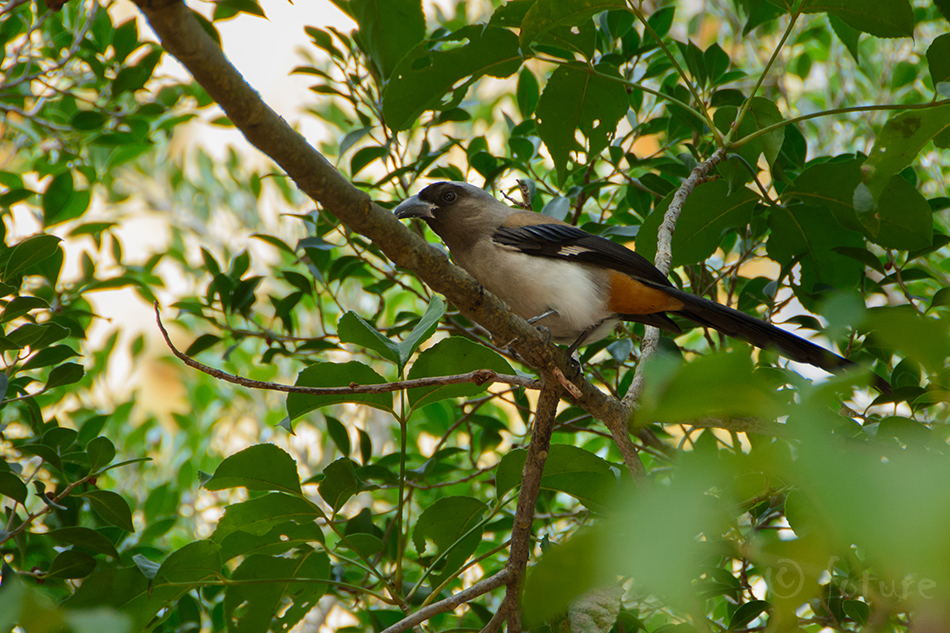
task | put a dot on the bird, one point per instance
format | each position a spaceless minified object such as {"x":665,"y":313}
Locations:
{"x":579,"y":285}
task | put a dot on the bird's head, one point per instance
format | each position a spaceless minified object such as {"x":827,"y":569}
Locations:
{"x":457,"y":211}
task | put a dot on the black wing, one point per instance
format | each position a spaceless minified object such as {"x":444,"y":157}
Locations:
{"x":563,"y":241}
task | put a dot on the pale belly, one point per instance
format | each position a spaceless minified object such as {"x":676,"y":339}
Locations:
{"x":534,"y":285}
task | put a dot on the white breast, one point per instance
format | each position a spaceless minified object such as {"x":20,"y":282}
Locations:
{"x":533,"y":285}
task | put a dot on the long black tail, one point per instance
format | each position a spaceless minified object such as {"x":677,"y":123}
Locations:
{"x":759,"y":333}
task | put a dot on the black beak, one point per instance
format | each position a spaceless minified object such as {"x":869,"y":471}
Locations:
{"x":413,"y":207}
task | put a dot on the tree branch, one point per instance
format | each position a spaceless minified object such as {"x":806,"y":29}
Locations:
{"x":483,"y":586}
{"x":528,"y":497}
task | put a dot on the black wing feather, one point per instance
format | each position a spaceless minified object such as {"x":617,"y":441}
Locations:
{"x":563,"y":241}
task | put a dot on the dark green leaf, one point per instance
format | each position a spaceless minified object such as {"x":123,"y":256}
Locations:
{"x":71,"y":564}
{"x":881,"y":18}
{"x":422,"y":331}
{"x":50,"y":356}
{"x":454,"y":355}
{"x":577,"y":99}
{"x":748,"y":612}
{"x":452,"y":523}
{"x":258,"y":516}
{"x":423,"y":79}
{"x":260,"y":594}
{"x":258,"y":467}
{"x":202,"y":343}
{"x":195,"y":562}
{"x":65,"y":374}
{"x":527,"y":92}
{"x":19,"y":306}
{"x":340,"y":483}
{"x":85,"y":538}
{"x":56,"y":196}
{"x":899,"y":142}
{"x":13,"y":487}
{"x":113,"y":509}
{"x":938,"y":59}
{"x":29,"y":252}
{"x":388,"y":30}
{"x":101,"y":452}
{"x":325,"y":375}
{"x":338,"y":434}
{"x":364,"y":157}
{"x":354,"y":329}
{"x":545,"y":15}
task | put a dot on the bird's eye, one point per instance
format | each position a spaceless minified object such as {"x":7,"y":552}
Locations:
{"x":449,"y":197}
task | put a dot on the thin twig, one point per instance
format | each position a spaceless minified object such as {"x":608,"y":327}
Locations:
{"x":478,"y":377}
{"x":452,"y":602}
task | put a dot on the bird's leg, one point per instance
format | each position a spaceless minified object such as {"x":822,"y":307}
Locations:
{"x":543,"y":315}
{"x":583,"y":337}
{"x":545,"y":332}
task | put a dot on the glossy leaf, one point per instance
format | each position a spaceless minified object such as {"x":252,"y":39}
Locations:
{"x":336,"y":375}
{"x":258,"y":467}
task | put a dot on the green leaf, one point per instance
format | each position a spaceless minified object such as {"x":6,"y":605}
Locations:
{"x":528,"y":93}
{"x":848,"y":36}
{"x":56,"y":196}
{"x":454,"y":355}
{"x":260,"y":597}
{"x":452,"y":524}
{"x":258,"y":467}
{"x":71,"y":564}
{"x":258,"y":516}
{"x":85,"y":538}
{"x":280,"y":539}
{"x":113,"y":509}
{"x":50,"y":356}
{"x":338,"y":434}
{"x":65,"y":374}
{"x":356,"y":330}
{"x":101,"y":452}
{"x":748,"y":612}
{"x":545,"y":15}
{"x":202,"y":343}
{"x":336,"y":375}
{"x":923,"y":339}
{"x":903,"y":215}
{"x":881,"y":18}
{"x":340,"y":483}
{"x":568,"y":469}
{"x":709,"y":212}
{"x":388,"y":30}
{"x":29,"y":252}
{"x":19,"y":306}
{"x":809,"y":236}
{"x":194,"y":563}
{"x":13,"y":487}
{"x":126,"y":590}
{"x":761,"y":114}
{"x":938,"y":59}
{"x":899,"y":142}
{"x":422,"y":331}
{"x":365,"y":156}
{"x":724,"y":385}
{"x":577,"y":99}
{"x":423,"y":79}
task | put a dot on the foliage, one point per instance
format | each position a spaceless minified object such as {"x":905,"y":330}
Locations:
{"x":832,"y":198}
